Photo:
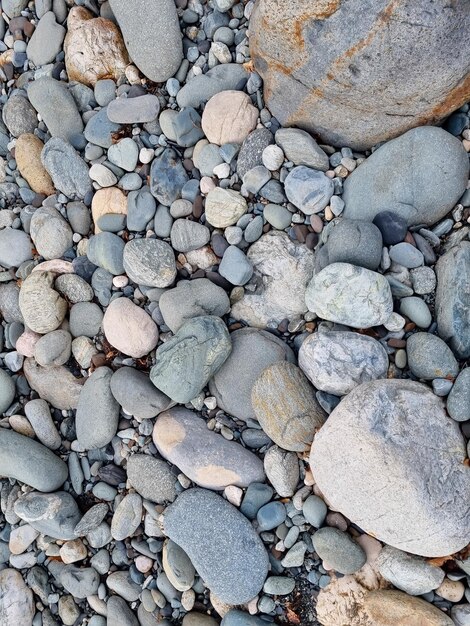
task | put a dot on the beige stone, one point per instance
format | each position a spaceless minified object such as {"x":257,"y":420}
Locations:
{"x":229,"y":117}
{"x":129,"y":328}
{"x":224,"y":207}
{"x":108,"y":200}
{"x":26,"y":342}
{"x":203,"y":258}
{"x":94,"y":48}
{"x":28,"y":149}
{"x":451,"y":590}
{"x":20,"y":424}
{"x":73,"y":551}
{"x":395,"y":608}
{"x":21,"y":538}
{"x":55,"y":384}
{"x":43,"y":309}
{"x":58,"y":266}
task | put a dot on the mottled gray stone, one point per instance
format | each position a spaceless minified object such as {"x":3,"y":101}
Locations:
{"x":458,"y":400}
{"x":206,"y":457}
{"x":252,"y":150}
{"x":302,"y":149}
{"x":309,"y":190}
{"x":15,"y":247}
{"x":416,"y":310}
{"x":136,"y":394}
{"x":39,"y":416}
{"x":81,"y":582}
{"x":282,"y":470}
{"x":99,"y":129}
{"x":200,"y":89}
{"x":167,"y":177}
{"x":337,"y":361}
{"x":429,"y":357}
{"x":187,"y":235}
{"x":194,"y":521}
{"x":68,"y":170}
{"x":74,"y":288}
{"x":339,"y":550}
{"x":186,"y":362}
{"x":106,"y":250}
{"x":43,"y":309}
{"x":127,"y":516}
{"x":179,"y":570}
{"x":51,"y":234}
{"x":16,"y":601}
{"x":46,"y":41}
{"x":149,"y":262}
{"x":85,"y":319}
{"x":134,"y":110}
{"x":119,"y":614}
{"x":7,"y":391}
{"x":152,"y":478}
{"x":235,"y":266}
{"x":18,"y":114}
{"x":355,"y":241}
{"x":187,"y":127}
{"x":370,"y":442}
{"x":407,"y":572}
{"x":54,"y":514}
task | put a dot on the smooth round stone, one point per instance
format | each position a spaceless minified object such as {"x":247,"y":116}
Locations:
{"x":229,"y":117}
{"x":278,"y":216}
{"x":54,"y":514}
{"x":163,"y":221}
{"x":119,"y":613}
{"x":136,"y":394}
{"x":407,"y":572}
{"x":187,"y":127}
{"x":392,"y":226}
{"x":285,"y":405}
{"x":461,"y":614}
{"x":127,"y":516}
{"x":356,"y":242}
{"x":181,"y":208}
{"x":235,"y":266}
{"x":104,"y":91}
{"x":314,"y":510}
{"x":106,"y":250}
{"x":137,"y":110}
{"x":390,"y":607}
{"x":30,"y":462}
{"x":206,"y":457}
{"x":382,"y":424}
{"x":255,"y":497}
{"x":7,"y":391}
{"x":271,"y":515}
{"x":302,"y":149}
{"x":54,"y":383}
{"x":81,"y":582}
{"x":15,"y":247}
{"x":129,"y":328}
{"x":124,"y":154}
{"x":85,"y":319}
{"x":407,"y":255}
{"x":43,"y":309}
{"x":338,"y":550}
{"x":186,"y":362}
{"x":350,"y":295}
{"x":152,"y":478}
{"x":198,"y":619}
{"x":224,"y":207}
{"x":338,"y":361}
{"x":18,"y":115}
{"x":54,"y":348}
{"x":111,"y":222}
{"x":177,"y":566}
{"x":194,"y":521}
{"x":240,"y":618}
{"x":416,"y":310}
{"x":39,"y":416}
{"x":309,"y":190}
{"x":187,"y":235}
{"x":149,"y":262}
{"x":99,"y":130}
{"x":141,"y":207}
{"x":223,"y":77}
{"x":429,"y":357}
{"x":458,"y":401}
{"x":279,"y":586}
{"x":16,"y":602}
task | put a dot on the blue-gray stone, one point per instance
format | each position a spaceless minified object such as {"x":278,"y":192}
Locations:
{"x":163,"y":221}
{"x":240,"y":618}
{"x":257,"y":495}
{"x":141,"y":207}
{"x":235,"y":266}
{"x":314,"y":510}
{"x":407,"y":255}
{"x":106,"y":250}
{"x":187,"y":127}
{"x":309,"y":190}
{"x":167,"y":177}
{"x":99,"y":129}
{"x":111,"y":222}
{"x":458,"y":401}
{"x":430,"y":357}
{"x":68,"y":170}
{"x":271,"y":515}
{"x":54,"y":514}
{"x":201,"y":88}
{"x":339,"y":550}
{"x":355,"y":241}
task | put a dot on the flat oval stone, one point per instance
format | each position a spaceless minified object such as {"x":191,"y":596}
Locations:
{"x":429,"y":357}
{"x":7,"y":391}
{"x":458,"y":400}
{"x":309,"y":190}
{"x":421,"y":508}
{"x":127,"y":516}
{"x":136,"y":394}
{"x":106,"y":250}
{"x":338,"y":361}
{"x":229,"y":117}
{"x":177,"y":566}
{"x":407,"y":572}
{"x":150,"y":262}
{"x":30,"y":462}
{"x":355,"y":241}
{"x":152,"y":478}
{"x":134,"y":110}
{"x":81,"y":582}
{"x":129,"y":328}
{"x":350,"y":295}
{"x":54,"y":514}
{"x":224,"y":207}
{"x":54,"y":383}
{"x":338,"y":550}
{"x":194,"y":521}
{"x":285,"y":405}
{"x":167,"y":177}
{"x":389,"y":607}
{"x":68,"y":170}
{"x":206,"y":457}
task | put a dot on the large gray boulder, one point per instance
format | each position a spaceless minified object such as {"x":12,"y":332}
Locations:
{"x":420,"y":176}
{"x":364,"y":461}
{"x":358,"y":86}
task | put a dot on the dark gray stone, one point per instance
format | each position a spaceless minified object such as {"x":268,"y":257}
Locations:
{"x":355,"y":241}
{"x":136,"y":394}
{"x":252,"y":150}
{"x":200,"y":89}
{"x":187,"y":127}
{"x":167,"y":177}
{"x":68,"y":170}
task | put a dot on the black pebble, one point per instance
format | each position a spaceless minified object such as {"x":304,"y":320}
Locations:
{"x":392,"y":226}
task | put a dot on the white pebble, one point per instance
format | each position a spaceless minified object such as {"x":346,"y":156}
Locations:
{"x":146,"y":155}
{"x":395,"y":323}
{"x":222,"y":170}
{"x":120,"y":281}
{"x":206,"y":184}
{"x":272,"y":157}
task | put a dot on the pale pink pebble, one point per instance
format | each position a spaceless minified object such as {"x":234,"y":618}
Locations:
{"x":120,"y":281}
{"x":143,"y":564}
{"x":203,"y":258}
{"x":336,"y":520}
{"x":26,"y":342}
{"x":252,"y":606}
{"x":309,"y":480}
{"x":316,"y":223}
{"x":206,"y":184}
{"x":55,"y":265}
{"x":73,"y":551}
{"x":330,"y":174}
{"x":20,"y":424}
{"x":233,"y":494}
{"x":129,"y":328}
{"x":188,"y":598}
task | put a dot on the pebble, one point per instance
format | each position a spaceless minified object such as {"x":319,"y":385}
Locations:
{"x":102,"y":175}
{"x":458,"y":401}
{"x":127,"y":517}
{"x":187,"y":235}
{"x":461,"y":614}
{"x":46,"y":41}
{"x":99,"y":130}
{"x":134,"y":110}
{"x":177,"y":566}
{"x":55,"y":384}
{"x":149,"y":262}
{"x":338,"y":550}
{"x":135,"y":393}
{"x":279,"y":585}
{"x":407,"y":572}
{"x":203,"y":87}
{"x":271,"y":515}
{"x":28,"y":150}
{"x":224,"y":207}
{"x":309,"y":190}
{"x":141,"y":208}
{"x":356,"y":242}
{"x":229,"y":117}
{"x":423,"y":280}
{"x":85,"y":319}
{"x":302,"y":149}
{"x":54,"y":514}
{"x":50,"y":233}
{"x":7,"y":391}
{"x":80,"y":582}
{"x":16,"y":602}
{"x":18,"y":115}
{"x":407,"y":255}
{"x":129,"y":328}
{"x":39,"y":416}
{"x":15,"y":248}
{"x":235,"y":266}
{"x":42,"y":308}
{"x":416,"y":310}
{"x":67,"y":169}
{"x":429,"y":357}
{"x":314,"y":510}
{"x":151,"y":478}
{"x":277,"y":216}
{"x":252,"y":149}
{"x":167,"y":177}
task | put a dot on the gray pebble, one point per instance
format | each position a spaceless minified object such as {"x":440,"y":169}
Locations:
{"x":339,"y":550}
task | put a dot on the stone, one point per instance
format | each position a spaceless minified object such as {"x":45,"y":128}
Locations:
{"x":106,"y":250}
{"x":51,"y":234}
{"x":240,"y":618}
{"x":110,"y":200}
{"x":229,"y":117}
{"x":97,"y":416}
{"x":406,"y":255}
{"x":187,"y":127}
{"x":54,"y":514}
{"x":149,"y":262}
{"x":392,"y":226}
{"x":309,"y":190}
{"x":152,"y":478}
{"x":85,"y":319}
{"x":46,"y":41}
{"x":282,"y":470}
{"x":224,"y":207}
{"x":141,"y":207}
{"x":284,"y":403}
{"x":419,"y":176}
{"x":28,"y":150}
{"x":30,"y":462}
{"x":129,"y":328}
{"x":68,"y":170}
{"x":124,"y":154}
{"x":381,"y":424}
{"x":252,"y":351}
{"x":338,"y":361}
{"x":103,"y":176}
{"x":271,"y":515}
{"x":416,"y":310}
{"x":16,"y":602}
{"x":451,"y":304}
{"x":225,"y":77}
{"x":314,"y":510}
{"x":279,"y":586}
{"x":458,"y":400}
{"x":154,"y":44}
{"x":409,"y":573}
{"x":191,"y":299}
{"x":53,"y":383}
{"x":194,"y":521}
{"x":356,"y":242}
{"x":339,"y":85}
{"x":118,"y":613}
{"x":277,"y":216}
{"x":135,"y":393}
{"x":15,"y":247}
{"x":74,"y":288}
{"x":42,"y":307}
{"x":251,"y":152}
{"x":389,"y":608}
{"x":302,"y":149}
{"x":7,"y":391}
{"x":81,"y":582}
{"x":127,"y":516}
{"x":18,"y":115}
{"x":282,"y":269}
{"x":121,"y":582}
{"x":186,"y":362}
{"x":206,"y":457}
{"x":137,"y":110}
{"x":235,"y":266}
{"x":48,"y":96}
{"x":429,"y":357}
{"x":187,"y":235}
{"x":167,"y":177}
{"x":338,"y":550}
{"x":100,"y":131}
{"x":94,"y":48}
{"x":460,"y":614}
{"x":39,"y":416}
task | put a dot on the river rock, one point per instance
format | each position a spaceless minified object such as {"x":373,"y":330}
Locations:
{"x":429,"y":357}
{"x":206,"y":457}
{"x":357,"y":242}
{"x":149,"y":262}
{"x":284,"y":403}
{"x":7,"y":391}
{"x":136,"y":394}
{"x":136,"y":110}
{"x":53,"y":383}
{"x":225,"y":77}
{"x":251,"y":152}
{"x":30,"y":462}
{"x":18,"y":115}
{"x":15,"y":247}
{"x":50,"y":233}
{"x":389,"y":608}
{"x":229,"y":117}
{"x":42,"y":307}
{"x":338,"y":550}
{"x":309,"y":190}
{"x":53,"y":348}
{"x":81,"y":582}
{"x":28,"y":150}
{"x":167,"y":177}
{"x":16,"y":601}
{"x":94,"y":48}
{"x":240,"y":618}
{"x":100,"y":131}
{"x":97,"y":414}
{"x":46,"y":41}
{"x":224,"y":207}
{"x":340,"y":85}
{"x":152,"y":478}
{"x":407,"y":572}
{"x":129,"y":328}
{"x":282,"y":270}
{"x":191,"y":299}
{"x":302,"y":149}
{"x":186,"y":362}
{"x":54,"y":514}
{"x":154,"y":44}
{"x":419,"y":176}
{"x":282,"y":470}
{"x":381,"y":424}
{"x":337,"y":361}
{"x":68,"y":170}
{"x":350,"y":295}
{"x":119,"y":614}
{"x":187,"y":235}
{"x":452,"y":306}
{"x":109,"y":200}
{"x":127,"y":516}
{"x":458,"y":400}
{"x":194,"y":521}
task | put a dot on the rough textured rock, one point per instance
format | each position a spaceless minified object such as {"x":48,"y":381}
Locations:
{"x":149,"y":262}
{"x":341,"y":84}
{"x":419,"y":176}
{"x":224,"y":207}
{"x":453,"y":300}
{"x":129,"y":328}
{"x":282,"y":270}
{"x":338,"y":361}
{"x":56,"y":384}
{"x":136,"y":394}
{"x":367,"y":447}
{"x":94,"y":48}
{"x":285,"y":405}
{"x":28,"y":158}
{"x":16,"y":600}
{"x":229,"y":117}
{"x":411,"y":574}
{"x":152,"y":478}
{"x":350,"y":295}
{"x":194,"y":522}
{"x":42,"y":307}
{"x":68,"y":170}
{"x":54,"y":514}
{"x":395,"y":608}
{"x":429,"y":357}
{"x":206,"y":457}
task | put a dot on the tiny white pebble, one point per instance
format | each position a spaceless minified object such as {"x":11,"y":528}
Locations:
{"x":120,"y":281}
